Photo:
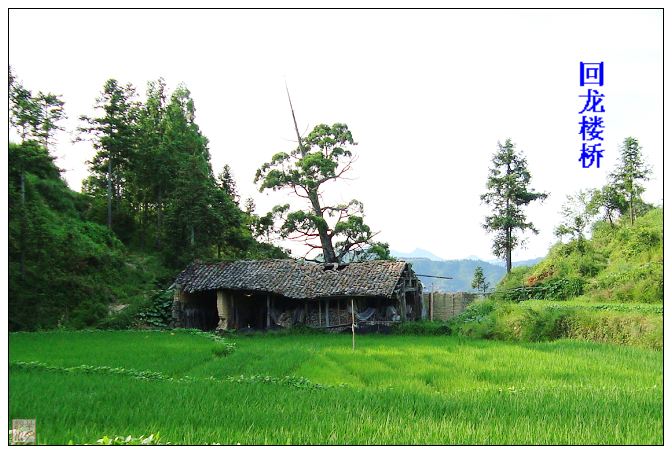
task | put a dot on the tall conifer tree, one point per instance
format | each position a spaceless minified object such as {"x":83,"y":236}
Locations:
{"x":508,"y":193}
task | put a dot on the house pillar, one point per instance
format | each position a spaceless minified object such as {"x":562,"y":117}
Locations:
{"x":177,"y":314}
{"x":224,"y":300}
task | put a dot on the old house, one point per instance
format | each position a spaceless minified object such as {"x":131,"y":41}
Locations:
{"x":263,"y":294}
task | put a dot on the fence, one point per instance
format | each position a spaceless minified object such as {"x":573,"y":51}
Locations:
{"x":444,"y":306}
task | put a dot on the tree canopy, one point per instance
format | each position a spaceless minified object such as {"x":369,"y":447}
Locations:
{"x":337,"y":230}
{"x":630,"y":172}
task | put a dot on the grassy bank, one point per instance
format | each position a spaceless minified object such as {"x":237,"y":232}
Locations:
{"x":392,"y":389}
{"x":623,"y":324}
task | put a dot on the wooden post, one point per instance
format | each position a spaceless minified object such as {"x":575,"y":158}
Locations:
{"x":431,"y":306}
{"x":305,"y":313}
{"x":327,"y":313}
{"x":319,"y":312}
{"x":223,"y":309}
{"x":178,"y":306}
{"x":352,"y":305}
{"x":268,"y":311}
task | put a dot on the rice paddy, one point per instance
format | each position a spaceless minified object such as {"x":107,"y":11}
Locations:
{"x":313,"y":389}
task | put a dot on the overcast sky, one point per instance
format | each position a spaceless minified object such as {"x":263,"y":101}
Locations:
{"x":426,"y":94}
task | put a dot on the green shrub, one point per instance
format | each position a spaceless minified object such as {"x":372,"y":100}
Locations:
{"x":422,"y":328}
{"x":554,"y":289}
{"x":158,"y":313}
{"x":476,"y":321}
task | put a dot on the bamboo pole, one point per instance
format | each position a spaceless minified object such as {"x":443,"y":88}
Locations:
{"x":268,"y":311}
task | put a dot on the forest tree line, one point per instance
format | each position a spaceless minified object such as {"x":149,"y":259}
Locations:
{"x":151,"y":196}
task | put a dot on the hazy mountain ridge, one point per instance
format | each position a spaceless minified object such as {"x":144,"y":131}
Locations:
{"x":460,"y":271}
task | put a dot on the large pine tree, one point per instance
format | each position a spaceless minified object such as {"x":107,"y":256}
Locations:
{"x":337,"y":230}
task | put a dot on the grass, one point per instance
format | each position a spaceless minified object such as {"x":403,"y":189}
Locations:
{"x":391,"y":390}
{"x":581,"y":319}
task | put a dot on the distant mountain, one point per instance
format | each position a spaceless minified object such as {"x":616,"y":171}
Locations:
{"x":528,"y":262}
{"x":417,"y":253}
{"x":461,"y":271}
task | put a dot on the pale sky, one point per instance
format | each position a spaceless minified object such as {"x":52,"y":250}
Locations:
{"x":426,"y":94}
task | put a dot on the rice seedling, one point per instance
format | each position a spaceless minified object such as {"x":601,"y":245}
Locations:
{"x":313,"y":389}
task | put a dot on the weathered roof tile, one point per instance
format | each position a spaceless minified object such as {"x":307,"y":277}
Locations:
{"x":295,"y":279}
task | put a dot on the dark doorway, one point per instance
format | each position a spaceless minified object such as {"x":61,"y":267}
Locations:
{"x":251,"y":311}
{"x":201,"y":311}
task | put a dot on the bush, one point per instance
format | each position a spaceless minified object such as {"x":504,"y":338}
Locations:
{"x":158,"y":313}
{"x":554,"y":289}
{"x":422,"y":328}
{"x":476,"y":321}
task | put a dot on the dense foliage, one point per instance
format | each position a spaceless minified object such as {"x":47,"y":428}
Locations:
{"x":152,"y":182}
{"x":150,"y":205}
{"x":74,"y":269}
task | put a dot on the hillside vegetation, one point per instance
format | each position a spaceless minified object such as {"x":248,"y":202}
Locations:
{"x":73,"y":271}
{"x":607,"y":289}
{"x":619,"y":264}
{"x":150,"y":204}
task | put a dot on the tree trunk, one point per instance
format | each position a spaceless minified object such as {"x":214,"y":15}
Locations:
{"x":159,"y":212}
{"x":508,"y":250}
{"x":632,"y":212}
{"x":109,"y":193}
{"x":509,"y":246}
{"x":325,"y":239}
{"x":143,"y":224}
{"x":22,"y":259}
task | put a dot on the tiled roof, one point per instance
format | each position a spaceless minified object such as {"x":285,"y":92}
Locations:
{"x":294,"y":279}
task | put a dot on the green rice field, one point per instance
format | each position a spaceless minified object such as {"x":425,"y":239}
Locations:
{"x":313,"y":389}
